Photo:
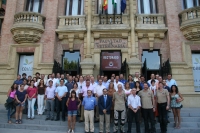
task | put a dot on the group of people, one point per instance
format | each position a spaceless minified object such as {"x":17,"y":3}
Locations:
{"x":106,"y":100}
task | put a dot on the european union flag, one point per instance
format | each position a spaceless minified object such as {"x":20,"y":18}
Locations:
{"x":123,"y":6}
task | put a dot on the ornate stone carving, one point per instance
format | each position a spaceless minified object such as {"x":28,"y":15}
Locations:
{"x":27,"y":27}
{"x":190,"y":23}
{"x":150,"y":26}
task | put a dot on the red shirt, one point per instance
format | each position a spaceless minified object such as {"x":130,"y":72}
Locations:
{"x":31,"y":91}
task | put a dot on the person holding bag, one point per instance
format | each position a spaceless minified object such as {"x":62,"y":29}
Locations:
{"x":10,"y":101}
{"x":176,"y":99}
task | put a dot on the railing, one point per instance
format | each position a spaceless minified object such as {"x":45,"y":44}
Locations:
{"x":29,"y":17}
{"x":189,"y":14}
{"x":150,"y":18}
{"x":71,"y":20}
{"x":110,"y":19}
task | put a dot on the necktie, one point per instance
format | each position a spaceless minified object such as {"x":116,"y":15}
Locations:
{"x":105,"y":101}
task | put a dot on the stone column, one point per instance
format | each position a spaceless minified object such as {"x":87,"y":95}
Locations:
{"x":134,"y":63}
{"x":87,"y":64}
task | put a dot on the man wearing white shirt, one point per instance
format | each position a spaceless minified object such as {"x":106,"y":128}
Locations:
{"x":116,"y":83}
{"x":152,"y":78}
{"x":98,"y":91}
{"x":61,"y":92}
{"x":134,"y":105}
{"x":43,"y":78}
{"x":92,"y":82}
{"x":55,"y":80}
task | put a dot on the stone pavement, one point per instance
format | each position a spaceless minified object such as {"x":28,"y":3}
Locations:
{"x":190,"y":124}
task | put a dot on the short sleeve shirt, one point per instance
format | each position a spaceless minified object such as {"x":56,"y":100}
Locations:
{"x":162,"y":96}
{"x":61,"y":90}
{"x":119,"y":101}
{"x":146,"y":98}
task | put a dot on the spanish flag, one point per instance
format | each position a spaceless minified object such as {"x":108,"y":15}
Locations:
{"x":105,"y":4}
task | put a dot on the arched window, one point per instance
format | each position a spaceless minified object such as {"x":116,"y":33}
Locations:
{"x":34,"y":5}
{"x":147,"y":6}
{"x":74,"y":7}
{"x":190,"y":3}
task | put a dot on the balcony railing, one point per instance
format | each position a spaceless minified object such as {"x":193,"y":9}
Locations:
{"x":30,"y":17}
{"x":30,"y":24}
{"x":150,"y":18}
{"x":190,"y":15}
{"x":190,"y":23}
{"x":68,"y":21}
{"x":110,"y":19}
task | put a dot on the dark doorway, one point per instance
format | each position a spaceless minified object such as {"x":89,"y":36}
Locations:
{"x":151,"y":63}
{"x":109,"y":73}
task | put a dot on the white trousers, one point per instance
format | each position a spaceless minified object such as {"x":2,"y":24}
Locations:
{"x":40,"y":102}
{"x":31,"y":104}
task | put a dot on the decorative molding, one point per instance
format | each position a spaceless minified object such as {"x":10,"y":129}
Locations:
{"x":28,"y":27}
{"x":150,"y":26}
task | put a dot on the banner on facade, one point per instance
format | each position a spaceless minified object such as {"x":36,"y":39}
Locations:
{"x":111,"y":61}
{"x":196,"y":71}
{"x":111,"y":43}
{"x":26,"y":64}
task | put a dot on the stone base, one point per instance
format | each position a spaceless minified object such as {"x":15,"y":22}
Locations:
{"x":87,"y":66}
{"x":134,"y":66}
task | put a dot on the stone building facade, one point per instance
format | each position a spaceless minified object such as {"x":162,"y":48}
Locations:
{"x":47,"y":29}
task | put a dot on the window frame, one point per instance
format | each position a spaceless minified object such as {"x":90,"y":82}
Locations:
{"x":151,"y":7}
{"x":30,"y":4}
{"x":69,"y":12}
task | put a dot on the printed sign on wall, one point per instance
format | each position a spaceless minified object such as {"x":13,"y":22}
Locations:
{"x":111,"y":61}
{"x":196,"y":71}
{"x":26,"y":64}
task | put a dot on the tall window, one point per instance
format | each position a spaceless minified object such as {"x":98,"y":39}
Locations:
{"x":1,"y":22}
{"x":190,"y":3}
{"x":147,"y":6}
{"x":111,"y":9}
{"x":74,"y":7}
{"x":34,"y":5}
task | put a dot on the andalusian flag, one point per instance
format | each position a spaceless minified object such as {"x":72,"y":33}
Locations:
{"x":105,"y":4}
{"x":114,"y":2}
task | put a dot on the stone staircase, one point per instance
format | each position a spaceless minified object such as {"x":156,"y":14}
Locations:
{"x":190,"y":124}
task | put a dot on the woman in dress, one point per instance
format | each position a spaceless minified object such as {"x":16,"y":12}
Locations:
{"x":32,"y":95}
{"x":73,"y":104}
{"x":137,"y":87}
{"x":10,"y":101}
{"x":110,"y":93}
{"x":176,"y":99}
{"x":127,"y":89}
{"x":40,"y":97}
{"x":20,"y":97}
{"x":163,"y":101}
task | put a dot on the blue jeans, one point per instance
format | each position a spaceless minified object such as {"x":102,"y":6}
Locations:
{"x":9,"y":112}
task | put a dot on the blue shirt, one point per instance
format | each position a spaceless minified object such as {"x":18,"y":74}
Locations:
{"x":132,"y":84}
{"x":61,"y":90}
{"x":18,"y":82}
{"x":89,"y":103}
{"x":142,"y":85}
{"x":69,"y":86}
{"x":171,"y":82}
{"x":106,"y":84}
{"x":122,"y":81}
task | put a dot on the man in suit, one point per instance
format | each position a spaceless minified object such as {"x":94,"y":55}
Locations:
{"x":104,"y":104}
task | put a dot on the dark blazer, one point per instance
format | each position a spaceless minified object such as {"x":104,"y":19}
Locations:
{"x":102,"y":106}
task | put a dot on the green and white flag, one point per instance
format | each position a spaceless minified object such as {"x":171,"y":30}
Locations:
{"x":114,"y":2}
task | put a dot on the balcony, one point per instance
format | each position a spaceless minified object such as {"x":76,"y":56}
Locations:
{"x":71,"y":25}
{"x":28,"y":27}
{"x":110,"y":22}
{"x":150,"y":26}
{"x":190,"y":23}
